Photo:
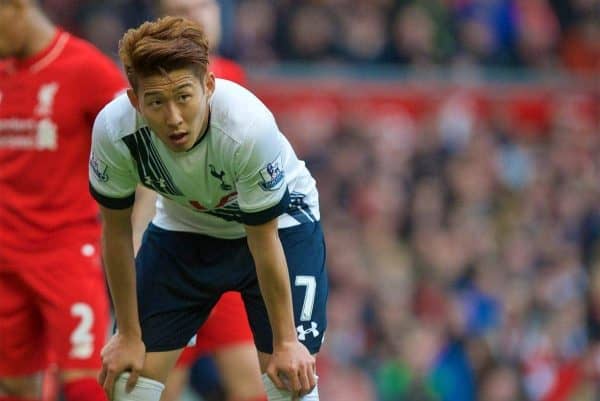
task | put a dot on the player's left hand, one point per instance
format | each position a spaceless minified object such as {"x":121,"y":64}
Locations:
{"x":291,"y":367}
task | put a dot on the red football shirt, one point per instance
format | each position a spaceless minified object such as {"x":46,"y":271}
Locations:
{"x":48,"y":103}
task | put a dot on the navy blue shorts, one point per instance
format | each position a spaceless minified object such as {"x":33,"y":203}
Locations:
{"x":180,"y":277}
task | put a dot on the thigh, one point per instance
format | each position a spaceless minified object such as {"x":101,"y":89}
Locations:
{"x":22,"y":349}
{"x":74,"y":306}
{"x":240,"y":371}
{"x":180,"y":277}
{"x":304,"y":248}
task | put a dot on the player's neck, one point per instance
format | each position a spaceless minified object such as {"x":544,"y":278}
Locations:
{"x":40,"y":34}
{"x":203,"y":132}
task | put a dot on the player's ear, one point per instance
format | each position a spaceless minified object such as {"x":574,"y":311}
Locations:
{"x":209,"y":83}
{"x":133,"y":99}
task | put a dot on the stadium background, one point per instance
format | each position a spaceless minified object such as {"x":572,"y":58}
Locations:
{"x":456,"y":145}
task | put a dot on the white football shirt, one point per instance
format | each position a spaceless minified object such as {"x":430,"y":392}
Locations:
{"x":242,"y":171}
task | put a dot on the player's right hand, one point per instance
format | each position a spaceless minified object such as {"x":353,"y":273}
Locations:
{"x":121,"y":353}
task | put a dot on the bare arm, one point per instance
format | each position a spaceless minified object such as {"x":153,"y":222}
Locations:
{"x":273,"y":279}
{"x":117,"y":246}
{"x":125,"y":350}
{"x":143,"y":212}
{"x":290,"y":358}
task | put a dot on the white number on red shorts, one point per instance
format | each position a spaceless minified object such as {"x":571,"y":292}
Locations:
{"x":82,"y":339}
{"x":309,"y":297}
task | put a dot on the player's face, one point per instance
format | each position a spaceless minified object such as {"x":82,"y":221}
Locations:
{"x":12,"y":28}
{"x":205,"y":12}
{"x":175,"y":106}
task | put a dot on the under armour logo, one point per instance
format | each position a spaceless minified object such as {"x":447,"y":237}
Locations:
{"x":302,"y":333}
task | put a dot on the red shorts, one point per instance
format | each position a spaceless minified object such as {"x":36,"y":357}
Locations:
{"x":226,"y":325}
{"x":54,"y":311}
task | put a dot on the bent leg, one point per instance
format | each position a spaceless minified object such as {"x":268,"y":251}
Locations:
{"x":176,"y":382}
{"x":240,"y":372}
{"x":304,"y":249}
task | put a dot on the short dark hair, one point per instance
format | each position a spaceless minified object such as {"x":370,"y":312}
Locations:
{"x":163,"y":45}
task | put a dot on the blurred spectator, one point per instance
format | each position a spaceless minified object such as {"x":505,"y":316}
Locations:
{"x":537,"y":34}
{"x":254,"y":31}
{"x":310,"y":34}
{"x":363,"y":33}
{"x":500,"y":383}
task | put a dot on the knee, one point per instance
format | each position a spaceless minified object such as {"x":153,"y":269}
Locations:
{"x":145,"y":389}
{"x":23,"y":386}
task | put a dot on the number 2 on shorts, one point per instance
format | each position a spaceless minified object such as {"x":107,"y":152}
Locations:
{"x":82,"y":340}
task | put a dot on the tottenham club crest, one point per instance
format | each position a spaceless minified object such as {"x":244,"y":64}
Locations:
{"x":219,"y":176}
{"x":272,"y":175}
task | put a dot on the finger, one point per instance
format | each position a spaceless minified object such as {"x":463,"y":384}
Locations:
{"x":294,"y":380}
{"x":286,"y":382}
{"x":312,"y":375}
{"x":312,"y":378}
{"x":109,"y":384}
{"x":303,"y":378}
{"x":133,"y":378}
{"x":308,"y":378}
{"x":272,"y":373}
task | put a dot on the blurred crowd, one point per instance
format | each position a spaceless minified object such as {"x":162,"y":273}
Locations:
{"x":463,"y":245}
{"x":553,"y":35}
{"x":464,"y":256}
{"x":464,"y":259}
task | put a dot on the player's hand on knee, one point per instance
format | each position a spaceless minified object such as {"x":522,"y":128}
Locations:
{"x":121,"y":353}
{"x":292,"y":368}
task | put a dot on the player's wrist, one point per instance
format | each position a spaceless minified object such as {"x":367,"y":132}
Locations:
{"x":130,"y":332}
{"x":284,"y":334}
{"x":285,"y":343}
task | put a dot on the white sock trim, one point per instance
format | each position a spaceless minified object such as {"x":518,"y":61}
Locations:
{"x":275,"y":394}
{"x":145,"y":389}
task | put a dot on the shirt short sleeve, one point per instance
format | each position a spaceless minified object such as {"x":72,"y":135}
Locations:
{"x":260,"y":172}
{"x":111,"y":174}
